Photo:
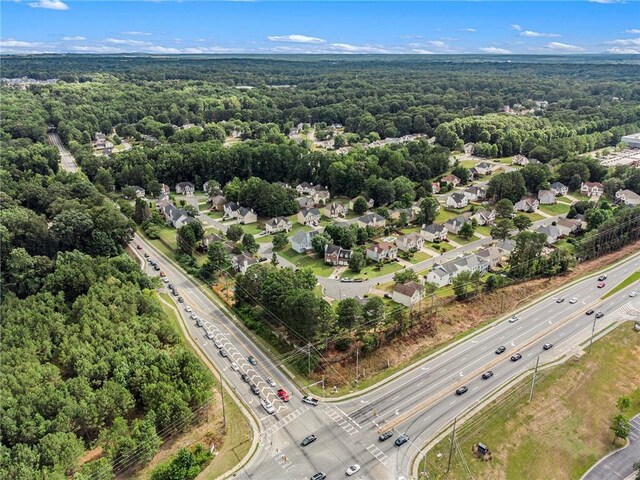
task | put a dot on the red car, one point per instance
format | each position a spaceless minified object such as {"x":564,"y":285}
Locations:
{"x":283,"y":395}
{"x":601,"y":285}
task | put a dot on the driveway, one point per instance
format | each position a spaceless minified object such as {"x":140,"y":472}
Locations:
{"x":619,"y":464}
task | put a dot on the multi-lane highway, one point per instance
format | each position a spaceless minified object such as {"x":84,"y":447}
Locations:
{"x":66,"y":159}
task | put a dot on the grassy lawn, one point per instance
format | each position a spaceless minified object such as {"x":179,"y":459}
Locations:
{"x":252,"y":228}
{"x":565,"y":246}
{"x":301,"y":261}
{"x":298,"y":228}
{"x":460,"y":240}
{"x":214,"y":214}
{"x":564,"y":430}
{"x":469,"y":163}
{"x":555,"y":209}
{"x":563,"y":200}
{"x":504,"y":160}
{"x":439,"y":246}
{"x":534,"y":217}
{"x":371,"y":271}
{"x":484,"y":230}
{"x":444,"y":215}
{"x":578,"y":196}
{"x":419,"y":257}
{"x":634,"y":277}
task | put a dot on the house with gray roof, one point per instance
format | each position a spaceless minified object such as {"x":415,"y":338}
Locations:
{"x":372,"y":220}
{"x":442,"y":274}
{"x":558,"y":189}
{"x":246,"y":216}
{"x":185,"y":188}
{"x":457,"y":200}
{"x":546,"y":197}
{"x":527,"y":204}
{"x":305,"y":202}
{"x":231,"y":210}
{"x":278,"y":224}
{"x":408,"y":294}
{"x":453,"y":225}
{"x":410,"y":242}
{"x":301,"y":241}
{"x":176,"y":217}
{"x":551,"y":231}
{"x":334,"y":210}
{"x":434,"y":232}
{"x":309,"y":216}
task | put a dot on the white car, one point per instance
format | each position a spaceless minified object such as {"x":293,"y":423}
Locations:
{"x":310,"y":400}
{"x":210,"y":335}
{"x":633,"y":294}
{"x":268,"y":407}
{"x":514,"y":319}
{"x":217,"y":344}
{"x":271,"y":382}
{"x":187,"y":309}
{"x":194,"y":316}
{"x":353,"y":469}
{"x":165,"y":279}
{"x":573,"y":300}
{"x":234,"y":366}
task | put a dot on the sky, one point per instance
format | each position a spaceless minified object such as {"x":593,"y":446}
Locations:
{"x":268,"y":27}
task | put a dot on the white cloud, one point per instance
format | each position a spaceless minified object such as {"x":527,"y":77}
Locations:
{"x":295,"y":39}
{"x":471,"y":30}
{"x":529,"y":33}
{"x":134,"y":32}
{"x":11,"y":43}
{"x":128,"y":41}
{"x":438,"y":44}
{"x":422,"y":51}
{"x":625,"y":42}
{"x":624,"y":50}
{"x":77,"y":38}
{"x":50,"y":4}
{"x":633,"y":31}
{"x":563,"y":47}
{"x":161,"y":49}
{"x":494,"y":50}
{"x":515,"y":26}
{"x":349,"y":48}
{"x":96,"y":49}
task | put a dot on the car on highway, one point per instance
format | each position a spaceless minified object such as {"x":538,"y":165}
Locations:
{"x":462,"y":390}
{"x":223,"y":353}
{"x":210,"y":335}
{"x":271,"y":382}
{"x":352,"y":470}
{"x":310,"y":400}
{"x":180,"y":300}
{"x":146,"y":255}
{"x":162,"y":274}
{"x":559,"y":299}
{"x":268,"y":406}
{"x":156,"y":267}
{"x":486,"y":375}
{"x":633,"y":294}
{"x":255,"y":389}
{"x":234,"y":366}
{"x":500,"y":349}
{"x":601,"y":285}
{"x":138,"y":247}
{"x":199,"y":322}
{"x":174,"y":293}
{"x":589,"y":312}
{"x":401,"y":440}
{"x":602,"y":277}
{"x":283,"y":395}
{"x":599,"y":315}
{"x":573,"y":300}
{"x":514,"y":319}
{"x":252,"y":360}
{"x":245,"y":378}
{"x":194,"y":316}
{"x":547,"y":346}
{"x":386,"y":435}
{"x":308,"y":440}
{"x":515,"y":357}
{"x":318,"y":476}
{"x":217,"y":344}
{"x":187,"y":309}
{"x":165,"y":280}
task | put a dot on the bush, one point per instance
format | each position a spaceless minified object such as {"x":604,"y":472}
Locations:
{"x":343,"y":344}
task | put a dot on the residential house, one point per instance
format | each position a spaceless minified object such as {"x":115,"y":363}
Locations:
{"x":457,"y":200}
{"x":628,"y":197}
{"x":408,"y":294}
{"x":218,"y":202}
{"x":230,"y":210}
{"x":435,"y":187}
{"x":107,"y":149}
{"x":411,"y":213}
{"x":278,"y":224}
{"x":582,"y":219}
{"x":485,"y":217}
{"x":301,"y":241}
{"x":100,"y":139}
{"x":453,"y":225}
{"x":212,"y":238}
{"x":452,"y":179}
{"x":372,"y":220}
{"x":241,"y":262}
{"x":185,"y":188}
{"x":507,"y":246}
{"x":370,"y":202}
{"x":551,"y":231}
{"x":305,"y":202}
{"x":164,"y":191}
{"x":320,"y":195}
{"x":559,"y":189}
{"x":434,"y":232}
{"x":567,"y":226}
{"x":520,"y":160}
{"x":469,"y":148}
{"x":475,"y":193}
{"x":492,"y":255}
{"x":411,"y":242}
{"x":591,"y":189}
{"x":305,"y":188}
{"x":381,"y":251}
{"x":546,"y":197}
{"x":443,"y":274}
{"x":336,"y":256}
{"x":246,"y":216}
{"x":484,"y":168}
{"x":139,"y":191}
{"x":527,"y":204}
{"x":334,"y":210}
{"x":176,"y":217}
{"x":309,"y":216}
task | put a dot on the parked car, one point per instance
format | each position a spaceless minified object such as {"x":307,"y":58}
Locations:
{"x":252,"y":360}
{"x":501,"y":349}
{"x":387,"y":295}
{"x":589,"y":312}
{"x":310,"y":400}
{"x":515,"y":357}
{"x":599,"y":315}
{"x":352,"y":469}
{"x":601,"y":285}
{"x":486,"y":375}
{"x":462,"y":390}
{"x":547,"y":346}
{"x":318,"y":476}
{"x":573,"y":300}
{"x":401,"y":440}
{"x":602,"y":277}
{"x":308,"y":440}
{"x":386,"y":435}
{"x":271,"y":382}
{"x":283,"y":395}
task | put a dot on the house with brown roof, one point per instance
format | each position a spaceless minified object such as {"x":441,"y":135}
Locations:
{"x":278,"y":224}
{"x":452,"y":179}
{"x":309,"y":216}
{"x":527,"y":204}
{"x":218,"y":202}
{"x":591,"y":189}
{"x":334,"y":210}
{"x":381,"y":251}
{"x":408,"y":294}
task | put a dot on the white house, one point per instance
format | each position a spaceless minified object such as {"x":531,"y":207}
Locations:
{"x":474,"y":193}
{"x":443,"y":274}
{"x":484,"y":217}
{"x":176,"y":217}
{"x":434,"y":232}
{"x":591,"y":189}
{"x":381,"y":251}
{"x":309,"y":216}
{"x":457,"y":200}
{"x":185,"y":188}
{"x":628,"y":197}
{"x":559,"y":189}
{"x":520,"y":160}
{"x":453,"y":225}
{"x":408,"y":294}
{"x":231,"y":210}
{"x":484,"y":168}
{"x":278,"y":224}
{"x":546,"y":197}
{"x":412,"y":241}
{"x":301,"y":241}
{"x":527,"y":204}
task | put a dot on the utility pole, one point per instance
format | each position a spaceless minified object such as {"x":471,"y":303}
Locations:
{"x":308,"y":359}
{"x":453,"y":438}
{"x":593,"y":331}
{"x":533,"y":382}
{"x":224,"y":416}
{"x":357,"y":363}
{"x":323,"y":394}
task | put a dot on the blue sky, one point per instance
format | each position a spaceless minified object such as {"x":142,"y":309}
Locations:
{"x":446,"y":27}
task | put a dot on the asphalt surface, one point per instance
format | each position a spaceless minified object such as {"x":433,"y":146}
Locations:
{"x":619,"y":464}
{"x":66,"y":159}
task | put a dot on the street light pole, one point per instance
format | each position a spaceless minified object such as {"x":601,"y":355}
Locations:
{"x":593,"y":330}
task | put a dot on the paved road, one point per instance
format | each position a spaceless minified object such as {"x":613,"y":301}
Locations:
{"x":66,"y":159}
{"x":619,"y":464}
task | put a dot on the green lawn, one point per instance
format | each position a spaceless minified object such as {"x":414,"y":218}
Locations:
{"x":578,"y":196}
{"x":419,"y":257}
{"x":563,"y":244}
{"x":214,"y":214}
{"x":303,"y":260}
{"x":555,"y":209}
{"x":252,"y":228}
{"x":534,"y":217}
{"x":563,"y":200}
{"x":439,"y":246}
{"x":633,"y":278}
{"x":484,"y":230}
{"x":297,"y":227}
{"x":462,"y":241}
{"x":469,"y":163}
{"x":371,"y":271}
{"x":444,"y":215}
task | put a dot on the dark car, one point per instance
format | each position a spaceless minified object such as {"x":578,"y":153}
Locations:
{"x":174,"y":292}
{"x":462,"y":390}
{"x":385,"y":436}
{"x":245,"y":378}
{"x":252,"y":360}
{"x":308,"y":440}
{"x":138,"y":247}
{"x":146,"y":255}
{"x":547,"y":346}
{"x":156,"y":267}
{"x":602,"y":277}
{"x":516,"y":357}
{"x":255,"y":389}
{"x":487,"y":374}
{"x":589,"y":312}
{"x":318,"y":476}
{"x":222,"y":352}
{"x":180,"y":300}
{"x":501,"y":349}
{"x":401,"y":440}
{"x":560,"y":300}
{"x":599,"y":315}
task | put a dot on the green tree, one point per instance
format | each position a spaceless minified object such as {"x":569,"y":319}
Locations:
{"x":249,"y":244}
{"x":462,"y":173}
{"x":360,"y":206}
{"x":234,"y":233}
{"x":406,"y":275}
{"x":349,"y":313}
{"x":274,"y":259}
{"x":621,"y":427}
{"x":280,"y":241}
{"x":218,"y":258}
{"x":319,"y":242}
{"x":357,"y":261}
{"x":623,"y":403}
{"x":466,"y":282}
{"x":504,"y":208}
{"x":189,"y":236}
{"x":373,"y":311}
{"x":507,"y":185}
{"x":142,"y":211}
{"x":467,"y":230}
{"x":502,"y":229}
{"x":428,"y":211}
{"x":522,"y":222}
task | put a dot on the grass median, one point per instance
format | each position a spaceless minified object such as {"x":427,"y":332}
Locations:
{"x":633,"y":278}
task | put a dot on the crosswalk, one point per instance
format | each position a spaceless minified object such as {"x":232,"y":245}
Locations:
{"x":341,"y":419}
{"x":377,"y":453}
{"x":626,"y":309}
{"x":284,"y":421}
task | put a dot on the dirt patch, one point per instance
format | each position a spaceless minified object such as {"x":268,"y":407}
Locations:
{"x":454,"y":318}
{"x":224,"y":290}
